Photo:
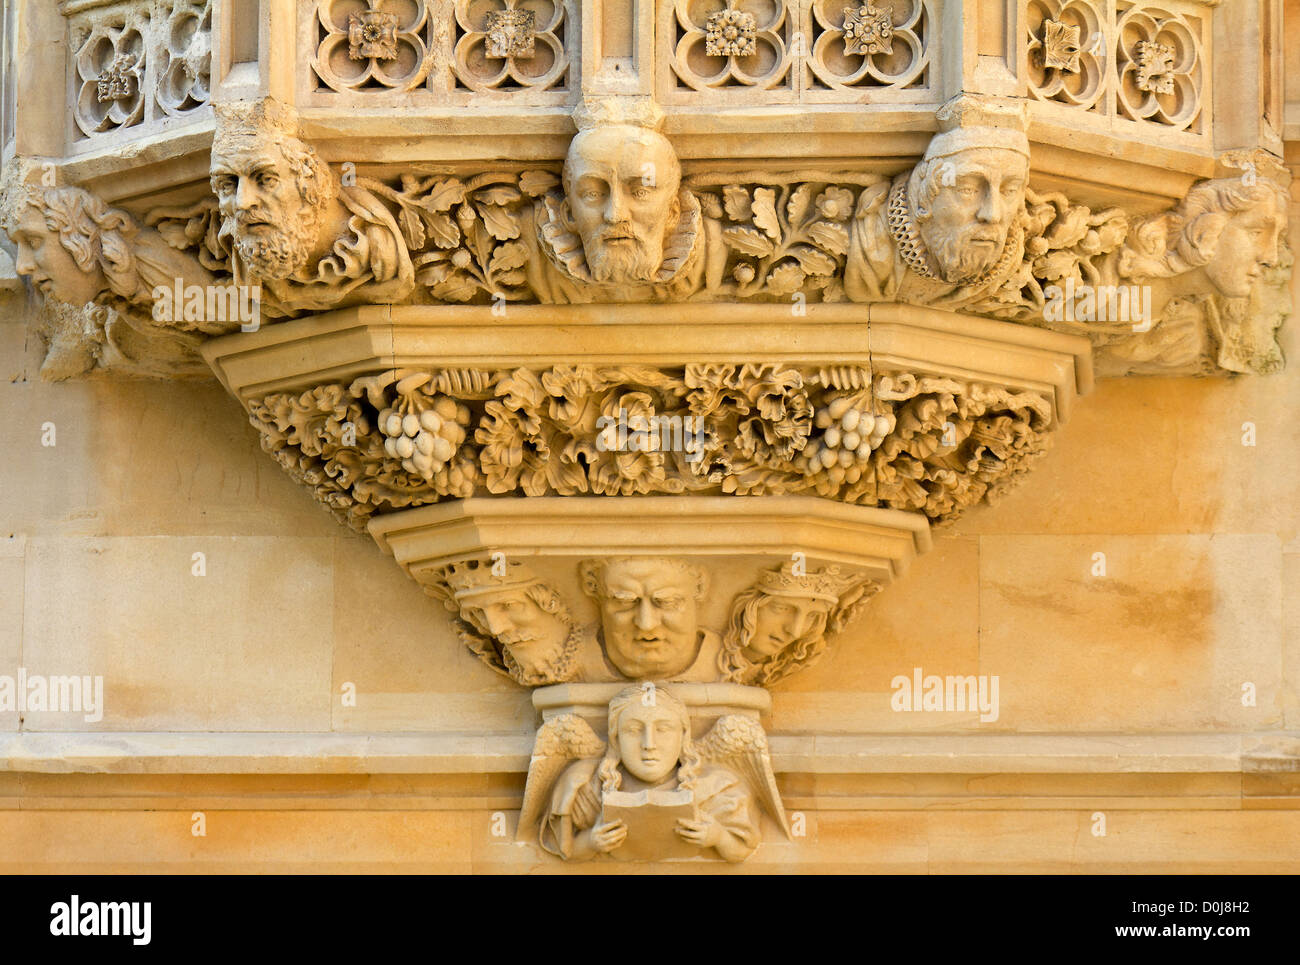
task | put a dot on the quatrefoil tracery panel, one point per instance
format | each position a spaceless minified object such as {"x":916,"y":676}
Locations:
{"x":1138,"y":62}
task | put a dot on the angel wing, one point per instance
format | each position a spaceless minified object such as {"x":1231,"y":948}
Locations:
{"x":740,"y":744}
{"x":560,"y":741}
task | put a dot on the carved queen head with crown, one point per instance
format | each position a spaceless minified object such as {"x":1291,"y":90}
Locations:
{"x":780,"y":624}
{"x":625,"y":219}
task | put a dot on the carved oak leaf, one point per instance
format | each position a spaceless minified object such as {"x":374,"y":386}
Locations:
{"x":830,"y":236}
{"x":537,"y":183}
{"x":748,"y":241}
{"x":443,"y":195}
{"x":813,"y":261}
{"x":412,"y":228}
{"x":507,"y":256}
{"x":501,"y":194}
{"x":502,"y":224}
{"x":786,"y":277}
{"x":765,"y":213}
{"x":736,"y":200}
{"x":442,"y":229}
{"x":796,"y":210}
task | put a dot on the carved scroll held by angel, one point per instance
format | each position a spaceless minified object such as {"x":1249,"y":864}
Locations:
{"x":654,"y":793}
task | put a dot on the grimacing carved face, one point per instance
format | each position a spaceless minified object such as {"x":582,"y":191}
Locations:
{"x":262,"y":204}
{"x":650,"y":741}
{"x":52,"y":268}
{"x":648,"y":614}
{"x":780,"y":621}
{"x":531,"y":634}
{"x":981,"y":191}
{"x":621,"y":182}
{"x":1247,"y":243}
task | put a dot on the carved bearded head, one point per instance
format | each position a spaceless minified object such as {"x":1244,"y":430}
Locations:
{"x":965,"y":202}
{"x":648,"y":610}
{"x":68,"y":240}
{"x":527,"y":619}
{"x":271,"y":187}
{"x":621,"y":182}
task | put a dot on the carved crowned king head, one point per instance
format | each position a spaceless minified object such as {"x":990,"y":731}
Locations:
{"x":528,"y":619}
{"x":648,"y":613}
{"x":272,"y":188}
{"x":70,"y":243}
{"x":623,"y":201}
{"x":969,"y":189}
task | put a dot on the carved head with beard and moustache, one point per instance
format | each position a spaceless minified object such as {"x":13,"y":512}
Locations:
{"x":968,"y":192}
{"x":621,"y":182}
{"x":272,"y":188}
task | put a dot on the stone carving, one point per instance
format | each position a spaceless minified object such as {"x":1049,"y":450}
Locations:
{"x":137,"y":63}
{"x":512,"y":47}
{"x":516,"y":624}
{"x":951,"y":230}
{"x":184,"y":57}
{"x":625,"y":224}
{"x":382,"y":46}
{"x":79,"y":251}
{"x":730,"y":33}
{"x":1066,"y":53}
{"x":649,"y":625}
{"x":1061,"y":44}
{"x":109,"y":63}
{"x":900,"y":441}
{"x":744,"y":46}
{"x":310,"y":242}
{"x":650,"y":791}
{"x":780,"y":625}
{"x":1160,"y":63}
{"x":868,"y":30}
{"x":1216,"y":265}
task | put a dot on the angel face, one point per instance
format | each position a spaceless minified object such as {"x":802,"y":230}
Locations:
{"x":1248,"y":242}
{"x":780,"y":621}
{"x":649,"y":741}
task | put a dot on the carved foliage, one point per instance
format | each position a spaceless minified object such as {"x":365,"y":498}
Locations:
{"x":899,"y":441}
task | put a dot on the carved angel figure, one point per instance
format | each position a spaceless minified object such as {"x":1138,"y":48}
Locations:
{"x":780,"y":624}
{"x":654,"y":793}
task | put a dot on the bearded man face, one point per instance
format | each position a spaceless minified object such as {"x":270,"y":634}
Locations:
{"x":263,"y":206}
{"x":967,"y":210}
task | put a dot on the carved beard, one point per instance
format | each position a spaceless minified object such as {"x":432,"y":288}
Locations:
{"x":540,"y":668}
{"x":959,"y":261}
{"x":619,"y":262}
{"x":283,"y":251}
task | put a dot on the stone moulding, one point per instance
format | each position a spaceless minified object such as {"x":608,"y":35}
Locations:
{"x":547,"y":529}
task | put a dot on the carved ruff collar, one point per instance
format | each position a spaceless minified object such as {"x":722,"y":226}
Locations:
{"x":906,"y":235}
{"x":563,"y":246}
